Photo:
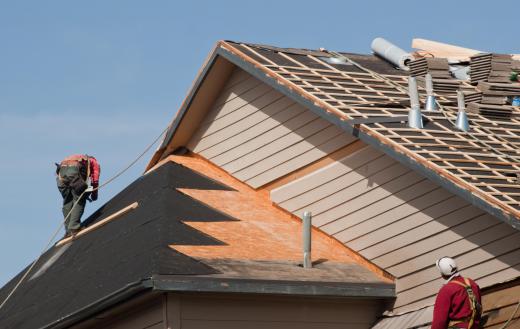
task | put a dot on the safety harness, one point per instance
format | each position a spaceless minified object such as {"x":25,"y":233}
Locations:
{"x":473,"y":302}
{"x":78,"y":163}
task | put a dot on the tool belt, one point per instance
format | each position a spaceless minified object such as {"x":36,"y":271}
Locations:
{"x":72,"y":176}
{"x":83,"y":166}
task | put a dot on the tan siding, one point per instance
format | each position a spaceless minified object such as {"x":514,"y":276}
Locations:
{"x":419,"y":226}
{"x":384,"y":212}
{"x":226,"y":150}
{"x":208,"y":312}
{"x":258,"y":135}
{"x":236,"y":112}
{"x":461,"y":238}
{"x":149,"y":317}
{"x":403,"y":222}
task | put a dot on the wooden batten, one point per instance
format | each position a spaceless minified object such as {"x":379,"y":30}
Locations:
{"x":98,"y":224}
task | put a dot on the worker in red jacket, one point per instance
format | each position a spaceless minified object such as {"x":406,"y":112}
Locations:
{"x":458,"y":303}
{"x":77,"y":177}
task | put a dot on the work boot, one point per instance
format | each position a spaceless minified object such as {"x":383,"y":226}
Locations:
{"x":74,"y":232}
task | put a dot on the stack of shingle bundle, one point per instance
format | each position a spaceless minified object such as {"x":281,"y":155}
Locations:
{"x":499,"y":89}
{"x":495,"y":101}
{"x":491,"y":67}
{"x":441,"y":85}
{"x":472,"y":97}
{"x":437,"y":67}
{"x":490,"y":110}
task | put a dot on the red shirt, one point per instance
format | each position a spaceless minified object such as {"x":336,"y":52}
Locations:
{"x":452,"y":303}
{"x":94,"y":165}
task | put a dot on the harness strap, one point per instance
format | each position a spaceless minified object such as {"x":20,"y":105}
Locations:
{"x":88,"y":170}
{"x":472,"y":303}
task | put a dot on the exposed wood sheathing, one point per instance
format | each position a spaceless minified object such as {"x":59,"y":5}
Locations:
{"x":262,"y":231}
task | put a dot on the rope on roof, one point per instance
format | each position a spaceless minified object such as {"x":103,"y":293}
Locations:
{"x":110,"y":180}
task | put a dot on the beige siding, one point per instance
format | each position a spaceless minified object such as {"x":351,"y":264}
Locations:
{"x":403,"y":222}
{"x":211,"y":312}
{"x":258,"y":135}
{"x":148,"y":316}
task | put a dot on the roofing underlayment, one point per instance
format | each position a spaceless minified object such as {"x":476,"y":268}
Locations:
{"x":480,"y":165}
{"x":195,"y":229}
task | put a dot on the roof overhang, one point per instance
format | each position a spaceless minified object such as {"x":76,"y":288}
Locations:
{"x":201,"y":284}
{"x":273,"y":287}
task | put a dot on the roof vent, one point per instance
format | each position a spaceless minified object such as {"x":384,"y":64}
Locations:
{"x":391,"y":53}
{"x":414,"y":115}
{"x":462,"y":122}
{"x":336,"y":60}
{"x":307,"y":236}
{"x":431,"y":102}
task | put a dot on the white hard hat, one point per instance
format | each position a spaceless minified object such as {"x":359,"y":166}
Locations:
{"x":446,"y":265}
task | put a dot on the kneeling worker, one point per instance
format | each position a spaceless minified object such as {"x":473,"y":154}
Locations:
{"x":73,"y":176}
{"x":458,"y":303}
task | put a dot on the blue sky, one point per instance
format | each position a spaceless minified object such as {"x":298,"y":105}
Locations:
{"x":106,"y":77}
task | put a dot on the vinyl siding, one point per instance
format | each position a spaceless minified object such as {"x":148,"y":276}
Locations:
{"x":258,"y":135}
{"x":212,"y":312}
{"x":146,"y":317}
{"x":402,"y":222}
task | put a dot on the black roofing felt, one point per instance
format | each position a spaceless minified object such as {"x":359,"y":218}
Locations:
{"x":126,"y":250}
{"x":372,"y":62}
{"x":134,"y":248}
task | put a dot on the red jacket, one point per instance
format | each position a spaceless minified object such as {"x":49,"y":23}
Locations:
{"x":452,"y":303}
{"x":94,"y":165}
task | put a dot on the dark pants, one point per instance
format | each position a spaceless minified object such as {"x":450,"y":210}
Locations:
{"x":71,"y":185}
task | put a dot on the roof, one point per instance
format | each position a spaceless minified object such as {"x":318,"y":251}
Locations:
{"x":367,"y":97}
{"x":178,"y":239}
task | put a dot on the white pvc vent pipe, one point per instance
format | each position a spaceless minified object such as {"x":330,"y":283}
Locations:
{"x":391,"y":53}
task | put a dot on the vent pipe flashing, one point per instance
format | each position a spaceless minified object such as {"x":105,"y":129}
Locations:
{"x":391,"y":53}
{"x":431,"y":102}
{"x":307,"y":236}
{"x":414,"y":115}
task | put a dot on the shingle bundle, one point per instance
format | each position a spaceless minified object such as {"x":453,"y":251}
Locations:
{"x":441,"y":85}
{"x":496,"y":99}
{"x":491,"y":67}
{"x":437,"y":67}
{"x":490,"y":110}
{"x":499,"y":89}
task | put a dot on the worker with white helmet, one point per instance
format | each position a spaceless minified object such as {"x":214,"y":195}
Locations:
{"x":458,"y":303}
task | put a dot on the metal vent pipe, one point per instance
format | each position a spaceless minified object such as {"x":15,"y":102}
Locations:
{"x":391,"y":53}
{"x":431,"y":102}
{"x":307,"y":224}
{"x":462,"y":122}
{"x":414,"y":115}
